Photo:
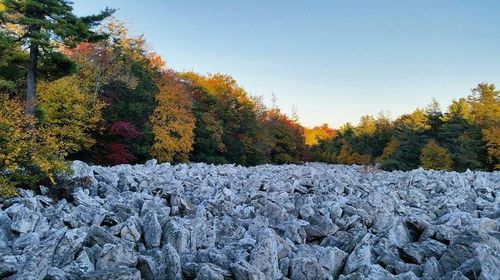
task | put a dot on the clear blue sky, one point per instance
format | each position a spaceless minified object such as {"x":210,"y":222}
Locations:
{"x":335,"y":60}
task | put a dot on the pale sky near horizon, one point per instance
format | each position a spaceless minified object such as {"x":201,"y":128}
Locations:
{"x":335,"y":60}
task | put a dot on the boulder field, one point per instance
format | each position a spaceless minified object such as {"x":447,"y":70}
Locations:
{"x":199,"y":221}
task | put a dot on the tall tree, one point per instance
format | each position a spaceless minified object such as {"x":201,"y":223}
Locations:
{"x":485,"y":111}
{"x":42,"y":26}
{"x":172,"y":121}
{"x":288,"y":142}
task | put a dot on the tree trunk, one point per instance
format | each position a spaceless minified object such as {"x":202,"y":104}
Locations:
{"x":31,"y":81}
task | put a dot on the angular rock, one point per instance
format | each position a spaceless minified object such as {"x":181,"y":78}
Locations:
{"x":148,"y":267}
{"x":69,"y":245}
{"x":9,"y":265}
{"x":152,"y":229}
{"x":176,"y":234}
{"x":265,"y":255}
{"x":116,"y":256}
{"x":207,"y":273}
{"x":123,"y":273}
{"x":55,"y":273}
{"x":358,"y":259}
{"x":304,"y":268}
{"x":99,"y":236}
{"x":26,"y":240}
{"x":24,"y":221}
{"x":5,"y":230}
{"x":80,"y":266}
{"x":245,"y":271}
{"x":131,"y":231}
{"x":432,"y":269}
{"x":332,"y":260}
{"x":173,"y":263}
{"x":399,"y":233}
{"x":419,"y":252}
{"x":38,"y":259}
{"x":308,"y":221}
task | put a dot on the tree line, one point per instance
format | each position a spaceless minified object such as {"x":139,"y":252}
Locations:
{"x":85,"y":88}
{"x":465,"y":136}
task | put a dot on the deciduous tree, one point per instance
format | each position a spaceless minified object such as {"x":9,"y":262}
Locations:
{"x":172,"y":121}
{"x":435,"y":157}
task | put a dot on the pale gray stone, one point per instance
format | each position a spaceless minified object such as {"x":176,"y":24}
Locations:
{"x":359,"y":258}
{"x":131,"y":231}
{"x":115,"y":256}
{"x":152,"y":229}
{"x":308,"y":221}
{"x":173,"y":263}
{"x":245,"y":271}
{"x":24,"y":220}
{"x":68,"y":246}
{"x":123,"y":273}
{"x":304,"y":268}
{"x":265,"y":255}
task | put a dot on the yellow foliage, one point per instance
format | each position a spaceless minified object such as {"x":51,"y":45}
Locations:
{"x":7,"y":189}
{"x":220,"y":85}
{"x":312,"y":135}
{"x":485,"y":104}
{"x":15,"y":138}
{"x":492,"y":138}
{"x":389,"y":149}
{"x":25,"y":146}
{"x":99,"y":65}
{"x":367,"y":126}
{"x":435,"y":157}
{"x":415,"y":122}
{"x":346,"y":156}
{"x":458,"y":109}
{"x":69,"y":114}
{"x":155,"y":61}
{"x":172,"y":121}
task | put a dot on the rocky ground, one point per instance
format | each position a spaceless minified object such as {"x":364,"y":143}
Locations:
{"x":313,"y":221}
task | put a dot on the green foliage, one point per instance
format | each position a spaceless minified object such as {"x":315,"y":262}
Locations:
{"x":464,"y":142}
{"x":469,"y":131}
{"x":41,"y":23}
{"x":435,"y":157}
{"x":113,"y":101}
{"x":45,"y":26}
{"x":121,"y":75}
{"x":287,"y":138}
{"x":12,"y":61}
{"x":485,"y":112}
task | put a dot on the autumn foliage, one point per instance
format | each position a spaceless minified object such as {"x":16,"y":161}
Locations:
{"x":465,"y":136}
{"x":114,"y":101}
{"x":172,"y":121}
{"x":29,"y":151}
{"x":435,"y":157}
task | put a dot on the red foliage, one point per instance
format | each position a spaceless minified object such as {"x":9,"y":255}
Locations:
{"x":125,"y":129}
{"x":115,"y":153}
{"x":118,"y":154}
{"x":95,"y":52}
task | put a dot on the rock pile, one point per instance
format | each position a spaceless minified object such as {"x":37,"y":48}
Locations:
{"x":312,"y":221}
